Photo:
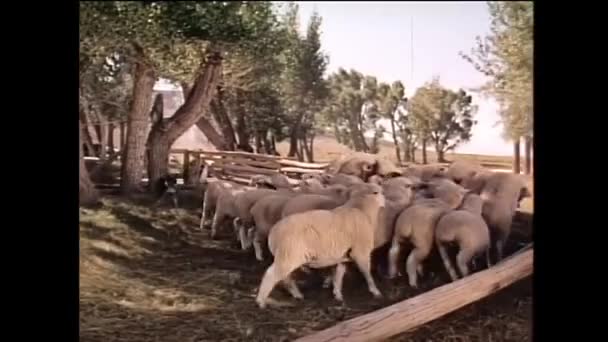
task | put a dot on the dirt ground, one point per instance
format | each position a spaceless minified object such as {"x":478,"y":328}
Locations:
{"x":150,"y":275}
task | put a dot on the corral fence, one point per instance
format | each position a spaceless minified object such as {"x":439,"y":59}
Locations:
{"x":241,"y":166}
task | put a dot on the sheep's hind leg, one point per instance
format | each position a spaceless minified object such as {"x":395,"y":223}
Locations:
{"x":292,"y":287}
{"x":393,"y":256}
{"x":416,"y":257}
{"x":363,"y":263}
{"x":462,"y":259}
{"x":338,"y":279}
{"x":446,"y":261}
{"x":272,"y":276}
{"x":257,"y":246}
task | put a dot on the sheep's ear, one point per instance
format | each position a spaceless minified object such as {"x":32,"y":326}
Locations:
{"x":367,"y":167}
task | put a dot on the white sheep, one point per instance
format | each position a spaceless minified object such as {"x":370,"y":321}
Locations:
{"x":417,"y":223}
{"x":502,"y":194}
{"x":323,"y":238}
{"x":468,"y":230}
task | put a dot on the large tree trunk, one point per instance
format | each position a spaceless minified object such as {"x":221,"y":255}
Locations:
{"x":440,"y":154}
{"x":218,"y":110}
{"x":337,"y":134}
{"x":424,"y":158}
{"x":137,"y":123}
{"x":395,"y":142}
{"x":86,"y":135}
{"x":123,"y":136}
{"x":311,"y":149}
{"x":205,"y":125}
{"x":258,"y":143}
{"x":516,"y":157}
{"x":528,"y":155}
{"x":241,"y":125}
{"x":87,"y":194}
{"x":111,"y":145}
{"x":165,"y":132}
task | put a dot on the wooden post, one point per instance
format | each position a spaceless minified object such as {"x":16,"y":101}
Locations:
{"x":416,"y":311}
{"x":186,"y":164}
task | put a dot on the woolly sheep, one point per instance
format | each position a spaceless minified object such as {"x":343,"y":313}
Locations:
{"x":425,"y":172}
{"x":417,"y":224}
{"x":502,"y":194}
{"x":327,"y":198}
{"x":322,"y":238}
{"x":468,"y":230}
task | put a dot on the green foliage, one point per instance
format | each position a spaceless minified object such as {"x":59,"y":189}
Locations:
{"x":442,"y":115}
{"x":506,"y":57}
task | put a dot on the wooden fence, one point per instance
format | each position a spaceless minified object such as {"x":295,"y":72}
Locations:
{"x":241,"y":166}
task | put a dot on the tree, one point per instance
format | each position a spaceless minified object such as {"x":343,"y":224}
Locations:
{"x":506,"y":57}
{"x":87,"y":194}
{"x":303,"y":87}
{"x":220,"y":24}
{"x":390,"y":99}
{"x":443,"y":116}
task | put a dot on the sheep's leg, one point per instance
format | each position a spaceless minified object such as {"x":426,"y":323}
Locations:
{"x":393,"y":255}
{"x":488,"y":261}
{"x":338,"y":278}
{"x":327,"y":281}
{"x":363,"y":263}
{"x":203,"y":214}
{"x":500,"y":245}
{"x":446,"y":261}
{"x":292,"y":287}
{"x":250,"y":233}
{"x":420,"y":270}
{"x":462,"y":259}
{"x":217,"y":219}
{"x":416,"y":257}
{"x":274,"y":274}
{"x":257,"y":247}
{"x":236,"y":225}
{"x":175,"y":203}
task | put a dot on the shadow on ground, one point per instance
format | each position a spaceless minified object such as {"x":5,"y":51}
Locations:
{"x":150,"y":275}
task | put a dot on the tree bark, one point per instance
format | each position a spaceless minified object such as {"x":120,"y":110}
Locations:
{"x":88,"y":195}
{"x":103,"y":151}
{"x":516,"y":157}
{"x":528,"y":155}
{"x":137,"y":123}
{"x":218,"y":110}
{"x":165,"y":132}
{"x":241,"y":125}
{"x":311,"y":149}
{"x":205,"y":125}
{"x":440,"y":154}
{"x":258,"y":143}
{"x":123,"y":136}
{"x":395,"y":142}
{"x":424,"y":158}
{"x":111,"y":145}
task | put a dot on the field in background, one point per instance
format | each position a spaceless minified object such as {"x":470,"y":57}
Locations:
{"x":326,"y":148}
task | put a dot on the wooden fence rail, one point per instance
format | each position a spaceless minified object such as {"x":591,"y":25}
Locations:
{"x":421,"y":309}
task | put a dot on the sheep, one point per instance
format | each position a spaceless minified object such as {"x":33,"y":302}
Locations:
{"x":468,"y":174}
{"x":243,"y":203}
{"x":226,"y":206}
{"x":274,"y":181}
{"x":468,"y":230}
{"x":327,"y":198}
{"x":502,"y":194}
{"x":399,"y":194}
{"x":417,"y":224}
{"x":266,"y":212}
{"x":425,"y":172}
{"x":323,"y":238}
{"x":340,"y":178}
{"x":212,"y":195}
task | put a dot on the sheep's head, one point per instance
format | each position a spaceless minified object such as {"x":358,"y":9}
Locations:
{"x":368,"y":191}
{"x":339,"y":191}
{"x":448,"y":191}
{"x":523,"y":193}
{"x":310,"y":184}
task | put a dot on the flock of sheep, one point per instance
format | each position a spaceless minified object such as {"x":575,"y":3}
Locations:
{"x":359,"y":205}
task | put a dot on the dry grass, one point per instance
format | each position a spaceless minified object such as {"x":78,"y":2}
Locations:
{"x":151,"y":276}
{"x":326,"y":148}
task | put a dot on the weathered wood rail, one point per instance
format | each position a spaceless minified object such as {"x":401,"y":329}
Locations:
{"x":240,"y":166}
{"x":416,"y":311}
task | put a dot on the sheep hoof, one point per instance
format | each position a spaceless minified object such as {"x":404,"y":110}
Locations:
{"x":261,"y":304}
{"x":338,"y":297}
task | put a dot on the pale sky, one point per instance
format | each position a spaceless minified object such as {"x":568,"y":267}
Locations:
{"x":375,"y":38}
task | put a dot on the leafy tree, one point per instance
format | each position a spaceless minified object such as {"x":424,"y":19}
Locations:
{"x":442,"y":116}
{"x":303,"y":88}
{"x":506,"y":57}
{"x":390,"y":99}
